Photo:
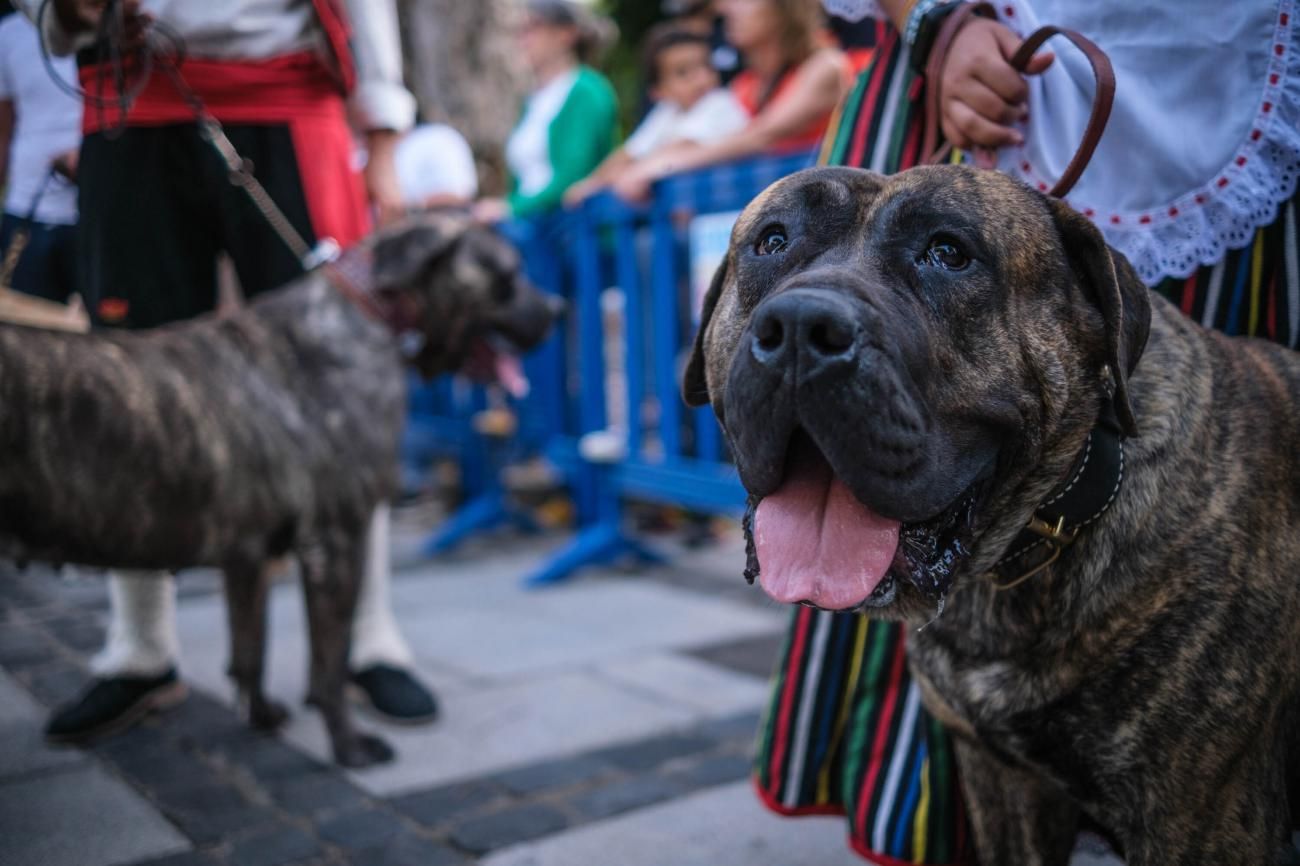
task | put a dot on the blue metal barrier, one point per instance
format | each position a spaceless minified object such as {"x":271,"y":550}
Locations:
{"x":442,"y":414}
{"x":663,"y":452}
{"x":661,"y":455}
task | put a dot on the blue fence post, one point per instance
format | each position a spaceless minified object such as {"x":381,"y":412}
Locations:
{"x":568,"y":373}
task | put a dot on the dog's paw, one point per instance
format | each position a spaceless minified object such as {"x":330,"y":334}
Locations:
{"x":363,"y":750}
{"x":267,"y":715}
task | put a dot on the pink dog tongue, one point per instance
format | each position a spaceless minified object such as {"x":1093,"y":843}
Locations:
{"x":510,"y":373}
{"x":816,"y":542}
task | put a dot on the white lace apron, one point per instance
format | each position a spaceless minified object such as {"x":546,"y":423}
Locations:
{"x":1203,"y":143}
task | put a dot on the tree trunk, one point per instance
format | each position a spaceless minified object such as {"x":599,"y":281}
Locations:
{"x":460,"y":64}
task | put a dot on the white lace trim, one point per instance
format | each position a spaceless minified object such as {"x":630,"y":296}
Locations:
{"x":853,"y":10}
{"x":1201,"y":226}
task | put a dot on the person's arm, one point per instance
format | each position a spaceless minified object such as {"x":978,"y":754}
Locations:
{"x":816,"y":90}
{"x":381,"y":105}
{"x":605,"y":174}
{"x":7,"y":118}
{"x":981,"y":95}
{"x":580,"y":136}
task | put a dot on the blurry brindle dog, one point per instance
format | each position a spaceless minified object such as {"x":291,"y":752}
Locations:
{"x":231,"y":441}
{"x":906,"y":369}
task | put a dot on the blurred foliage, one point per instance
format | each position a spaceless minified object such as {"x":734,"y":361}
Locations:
{"x":623,"y":63}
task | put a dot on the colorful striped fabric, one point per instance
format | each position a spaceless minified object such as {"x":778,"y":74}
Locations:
{"x":844,"y":732}
{"x":1254,"y":291}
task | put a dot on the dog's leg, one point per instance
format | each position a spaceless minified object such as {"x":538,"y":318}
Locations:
{"x":247,"y":585}
{"x":331,"y":574}
{"x":1017,"y":818}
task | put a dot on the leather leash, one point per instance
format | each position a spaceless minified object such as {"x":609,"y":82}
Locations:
{"x":1095,"y":479}
{"x":1102,"y":101}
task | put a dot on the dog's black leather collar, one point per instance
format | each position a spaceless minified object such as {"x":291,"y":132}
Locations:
{"x":1085,"y":495}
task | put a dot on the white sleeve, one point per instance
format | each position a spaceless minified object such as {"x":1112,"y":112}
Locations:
{"x":59,"y":42}
{"x":649,"y":134}
{"x":381,"y":100}
{"x":716,"y":116}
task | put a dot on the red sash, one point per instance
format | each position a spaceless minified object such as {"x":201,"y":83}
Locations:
{"x":234,"y":91}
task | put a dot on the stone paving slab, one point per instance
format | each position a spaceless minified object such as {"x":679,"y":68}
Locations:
{"x":80,"y":816}
{"x":22,"y":746}
{"x":724,"y":826}
{"x":709,"y":689}
{"x":497,"y":728}
{"x":523,"y":675}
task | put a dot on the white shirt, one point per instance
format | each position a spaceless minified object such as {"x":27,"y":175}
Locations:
{"x":528,"y":150}
{"x":715,"y":115}
{"x":258,"y":29}
{"x":47,"y":124}
{"x":435,"y":159}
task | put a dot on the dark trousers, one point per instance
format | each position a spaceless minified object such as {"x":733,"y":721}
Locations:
{"x":157,"y":208}
{"x":47,"y":266}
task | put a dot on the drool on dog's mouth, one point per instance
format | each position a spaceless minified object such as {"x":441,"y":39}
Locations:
{"x":812,"y":542}
{"x":493,"y":359}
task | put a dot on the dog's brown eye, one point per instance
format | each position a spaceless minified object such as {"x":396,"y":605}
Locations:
{"x":772,"y":242}
{"x":943,"y":253}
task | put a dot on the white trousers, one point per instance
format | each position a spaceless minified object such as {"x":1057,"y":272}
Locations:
{"x":142,"y":639}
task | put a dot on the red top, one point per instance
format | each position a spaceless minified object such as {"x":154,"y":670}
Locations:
{"x":748,"y":89}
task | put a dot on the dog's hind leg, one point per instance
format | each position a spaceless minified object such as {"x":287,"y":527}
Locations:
{"x":331,"y":576}
{"x":248,"y":582}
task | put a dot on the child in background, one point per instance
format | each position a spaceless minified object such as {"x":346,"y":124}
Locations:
{"x":690,"y":105}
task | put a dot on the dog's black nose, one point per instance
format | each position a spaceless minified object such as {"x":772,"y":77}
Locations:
{"x":811,"y":329}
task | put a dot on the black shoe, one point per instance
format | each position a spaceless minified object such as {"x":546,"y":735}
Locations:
{"x":395,"y":695}
{"x":112,"y":705}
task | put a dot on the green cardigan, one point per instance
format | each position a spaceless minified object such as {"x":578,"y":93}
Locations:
{"x":582,"y":134}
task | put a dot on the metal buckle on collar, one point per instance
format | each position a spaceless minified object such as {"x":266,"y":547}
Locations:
{"x":1057,"y":539}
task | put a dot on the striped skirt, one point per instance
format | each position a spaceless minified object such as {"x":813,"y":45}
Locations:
{"x":845,"y":732}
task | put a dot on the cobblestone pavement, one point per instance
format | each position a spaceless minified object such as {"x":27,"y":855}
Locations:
{"x":606,"y":721}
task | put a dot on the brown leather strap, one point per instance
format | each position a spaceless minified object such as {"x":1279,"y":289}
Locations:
{"x":1102,"y":101}
{"x":931,"y":151}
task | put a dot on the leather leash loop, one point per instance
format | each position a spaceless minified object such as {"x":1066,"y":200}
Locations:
{"x":1103,"y":98}
{"x":932,"y":151}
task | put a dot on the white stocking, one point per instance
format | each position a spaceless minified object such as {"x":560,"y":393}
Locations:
{"x":142,"y":637}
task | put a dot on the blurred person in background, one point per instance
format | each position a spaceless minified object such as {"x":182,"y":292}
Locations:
{"x":435,"y":167}
{"x":689,"y":105}
{"x":702,"y":16}
{"x":40,"y":130}
{"x":570,"y":119}
{"x":792,"y":81}
{"x":158,"y":208}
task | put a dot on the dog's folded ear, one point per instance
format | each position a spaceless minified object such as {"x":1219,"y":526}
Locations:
{"x":403,"y":254}
{"x":1118,"y":294}
{"x":695,"y":387}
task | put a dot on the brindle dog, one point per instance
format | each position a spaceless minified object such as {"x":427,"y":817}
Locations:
{"x":906,"y":368}
{"x":231,"y":441}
